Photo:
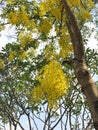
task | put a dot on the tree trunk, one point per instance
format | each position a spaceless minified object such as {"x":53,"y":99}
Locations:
{"x":83,"y":76}
{"x":89,"y":89}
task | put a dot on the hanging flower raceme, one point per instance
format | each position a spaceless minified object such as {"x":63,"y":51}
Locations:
{"x":25,"y":38}
{"x":53,"y":84}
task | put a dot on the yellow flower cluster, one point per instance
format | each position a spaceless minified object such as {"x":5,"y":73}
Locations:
{"x":53,"y":84}
{"x":10,"y":1}
{"x":25,"y":38}
{"x":2,"y":28}
{"x":56,"y":12}
{"x":46,"y":5}
{"x":89,"y":4}
{"x":22,"y":55}
{"x":52,"y":6}
{"x":45,"y":26}
{"x":65,"y":51}
{"x":83,"y":6}
{"x":64,"y":43}
{"x":12,"y":56}
{"x":31,"y":52}
{"x":20,"y":16}
{"x":1,"y":64}
{"x":50,"y":52}
{"x":74,"y":2}
{"x":83,"y":14}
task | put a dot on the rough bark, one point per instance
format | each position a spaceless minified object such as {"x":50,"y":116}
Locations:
{"x":81,"y":71}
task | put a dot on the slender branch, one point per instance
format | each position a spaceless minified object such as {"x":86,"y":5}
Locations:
{"x":32,"y":117}
{"x":89,"y":126}
{"x":59,"y":120}
{"x":69,"y":62}
{"x":28,"y":115}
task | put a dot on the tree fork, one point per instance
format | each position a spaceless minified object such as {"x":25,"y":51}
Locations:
{"x":81,"y":71}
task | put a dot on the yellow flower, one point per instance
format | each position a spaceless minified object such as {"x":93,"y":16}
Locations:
{"x":20,"y":16}
{"x":90,"y":4}
{"x":74,"y":2}
{"x":12,"y":56}
{"x":43,"y":9}
{"x":64,"y":52}
{"x":50,"y":53}
{"x":1,"y":64}
{"x":22,"y":55}
{"x":49,"y":6}
{"x":31,"y":52}
{"x":25,"y":38}
{"x":10,"y":1}
{"x":31,"y":25}
{"x":2,"y":28}
{"x":56,"y":13}
{"x":53,"y":84}
{"x":64,"y":44}
{"x":45,"y":26}
{"x":83,"y":15}
{"x":24,"y":17}
{"x":13,"y":17}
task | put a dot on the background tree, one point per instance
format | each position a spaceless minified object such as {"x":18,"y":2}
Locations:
{"x":37,"y":70}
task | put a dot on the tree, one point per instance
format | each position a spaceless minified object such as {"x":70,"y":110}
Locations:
{"x":48,"y":76}
{"x":87,"y":83}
